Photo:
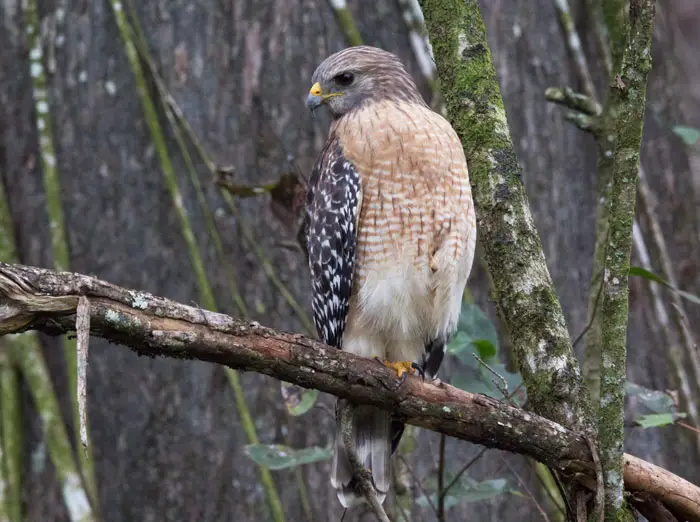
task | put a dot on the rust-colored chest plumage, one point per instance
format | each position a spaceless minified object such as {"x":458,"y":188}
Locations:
{"x":416,"y":197}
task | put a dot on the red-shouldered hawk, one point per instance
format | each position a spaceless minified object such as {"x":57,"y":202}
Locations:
{"x":390,"y":235}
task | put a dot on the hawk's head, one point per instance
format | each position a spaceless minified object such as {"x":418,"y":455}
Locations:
{"x":357,"y":75}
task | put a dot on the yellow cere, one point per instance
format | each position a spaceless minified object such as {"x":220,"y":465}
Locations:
{"x":316,"y":89}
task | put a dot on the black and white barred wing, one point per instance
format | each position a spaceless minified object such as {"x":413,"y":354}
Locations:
{"x":332,"y":208}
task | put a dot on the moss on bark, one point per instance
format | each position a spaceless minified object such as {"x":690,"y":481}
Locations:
{"x":627,"y":98}
{"x":522,"y":286}
{"x":594,"y":343}
{"x":615,"y":19}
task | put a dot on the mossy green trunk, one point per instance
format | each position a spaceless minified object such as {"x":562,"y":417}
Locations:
{"x":594,"y":343}
{"x":627,"y":100}
{"x":522,"y":286}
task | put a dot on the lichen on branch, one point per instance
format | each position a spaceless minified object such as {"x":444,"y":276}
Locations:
{"x":627,"y":98}
{"x":45,"y":300}
{"x":522,"y":286}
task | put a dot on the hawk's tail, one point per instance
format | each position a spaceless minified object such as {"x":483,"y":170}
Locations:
{"x":372,"y":440}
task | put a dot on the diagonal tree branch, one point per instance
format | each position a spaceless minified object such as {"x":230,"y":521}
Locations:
{"x":35,"y":298}
{"x":45,"y":300}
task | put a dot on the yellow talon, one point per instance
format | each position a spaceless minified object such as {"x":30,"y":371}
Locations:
{"x":401,"y":367}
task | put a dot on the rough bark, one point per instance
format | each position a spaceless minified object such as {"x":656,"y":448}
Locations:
{"x":628,"y":103}
{"x":45,"y":300}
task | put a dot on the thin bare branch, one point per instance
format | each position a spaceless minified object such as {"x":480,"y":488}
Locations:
{"x":523,"y":484}
{"x":418,"y":483}
{"x":82,"y":327}
{"x":573,"y":43}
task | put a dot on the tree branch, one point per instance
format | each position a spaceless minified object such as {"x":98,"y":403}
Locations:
{"x":628,"y":99}
{"x":45,"y":300}
{"x":35,"y":298}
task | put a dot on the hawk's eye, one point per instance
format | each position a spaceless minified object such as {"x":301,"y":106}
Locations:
{"x":344,"y":79}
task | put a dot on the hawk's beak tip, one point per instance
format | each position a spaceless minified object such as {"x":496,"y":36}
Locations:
{"x":313,"y":101}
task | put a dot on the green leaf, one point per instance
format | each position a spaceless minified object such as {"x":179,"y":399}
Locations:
{"x":660,"y":403}
{"x":689,"y":135}
{"x":297,"y":399}
{"x":476,"y":335}
{"x":277,"y":456}
{"x":474,"y":328}
{"x":656,"y":420}
{"x":468,"y":490}
{"x":657,"y":401}
{"x":646,"y":274}
{"x":486,"y":349}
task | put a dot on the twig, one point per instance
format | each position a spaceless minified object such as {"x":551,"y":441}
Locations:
{"x":362,"y":475}
{"x":600,"y":489}
{"x":441,"y":480}
{"x":422,"y":50}
{"x":600,"y":30}
{"x":461,"y":472}
{"x":688,"y":426}
{"x":82,"y":327}
{"x":590,"y":322}
{"x":523,"y":484}
{"x":418,"y":483}
{"x":501,"y":384}
{"x":573,"y":43}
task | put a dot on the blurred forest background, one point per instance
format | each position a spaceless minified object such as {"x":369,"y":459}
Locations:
{"x":167,"y":436}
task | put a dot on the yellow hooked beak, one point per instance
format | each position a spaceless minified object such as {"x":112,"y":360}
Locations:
{"x":317,"y":97}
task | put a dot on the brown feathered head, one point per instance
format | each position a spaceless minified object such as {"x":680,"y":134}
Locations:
{"x":358,"y":75}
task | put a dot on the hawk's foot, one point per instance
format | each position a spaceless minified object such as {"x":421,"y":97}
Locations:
{"x":403,"y":368}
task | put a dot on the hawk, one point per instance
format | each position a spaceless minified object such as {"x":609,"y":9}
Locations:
{"x":390,"y":233}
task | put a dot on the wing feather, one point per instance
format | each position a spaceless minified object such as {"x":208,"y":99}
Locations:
{"x":330,"y":224}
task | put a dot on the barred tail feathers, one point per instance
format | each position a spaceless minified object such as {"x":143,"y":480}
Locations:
{"x":372,"y":442}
